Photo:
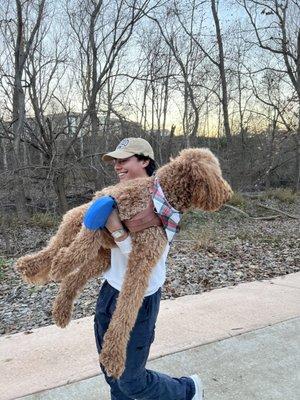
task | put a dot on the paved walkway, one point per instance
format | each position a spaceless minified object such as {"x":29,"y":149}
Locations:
{"x":208,"y":335}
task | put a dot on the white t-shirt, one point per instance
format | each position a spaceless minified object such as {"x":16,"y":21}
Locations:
{"x":119,"y":258}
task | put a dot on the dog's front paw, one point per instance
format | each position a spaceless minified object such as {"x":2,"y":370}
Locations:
{"x":62,"y":311}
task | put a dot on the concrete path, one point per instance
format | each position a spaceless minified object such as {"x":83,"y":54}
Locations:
{"x":260,"y":365}
{"x":202,"y":333}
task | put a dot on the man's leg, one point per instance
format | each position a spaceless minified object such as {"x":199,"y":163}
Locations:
{"x":137,"y":382}
{"x":105,"y":303}
{"x":140,"y":383}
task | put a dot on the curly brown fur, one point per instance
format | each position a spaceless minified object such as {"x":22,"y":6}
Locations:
{"x":74,"y":283}
{"x":113,"y":354}
{"x":35,"y":268}
{"x":191,"y":180}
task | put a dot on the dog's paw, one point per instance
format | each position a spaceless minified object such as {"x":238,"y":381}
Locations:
{"x":62,"y":312}
{"x":31,"y":271}
{"x":113,"y":354}
{"x":113,"y":361}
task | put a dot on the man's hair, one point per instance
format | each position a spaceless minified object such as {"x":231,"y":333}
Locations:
{"x":151,"y":167}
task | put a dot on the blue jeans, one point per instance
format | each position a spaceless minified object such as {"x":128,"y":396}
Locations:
{"x":137,"y":382}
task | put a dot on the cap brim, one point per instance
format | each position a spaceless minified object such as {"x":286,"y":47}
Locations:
{"x":116,"y":154}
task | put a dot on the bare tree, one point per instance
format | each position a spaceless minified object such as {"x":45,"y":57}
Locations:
{"x":186,"y":60}
{"x":219,"y":61}
{"x":21,"y":36}
{"x":276,"y":28}
{"x":99,"y":40}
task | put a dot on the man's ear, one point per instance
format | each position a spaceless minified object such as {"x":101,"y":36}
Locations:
{"x":146,"y":163}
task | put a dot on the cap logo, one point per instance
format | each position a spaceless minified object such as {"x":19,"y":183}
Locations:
{"x":122,"y":144}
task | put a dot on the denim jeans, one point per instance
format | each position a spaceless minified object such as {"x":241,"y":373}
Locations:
{"x":137,"y":382}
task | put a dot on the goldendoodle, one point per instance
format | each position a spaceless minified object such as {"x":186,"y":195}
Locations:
{"x":75,"y":254}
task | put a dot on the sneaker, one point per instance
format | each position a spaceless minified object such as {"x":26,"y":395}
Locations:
{"x":199,"y":394}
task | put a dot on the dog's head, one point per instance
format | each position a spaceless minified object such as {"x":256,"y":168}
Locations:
{"x":194,"y":180}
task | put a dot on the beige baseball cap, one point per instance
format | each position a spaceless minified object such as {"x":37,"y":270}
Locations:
{"x":128,"y":147}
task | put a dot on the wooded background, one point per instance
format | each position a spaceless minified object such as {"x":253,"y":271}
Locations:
{"x":77,"y":76}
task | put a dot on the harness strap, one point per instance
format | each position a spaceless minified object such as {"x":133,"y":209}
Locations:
{"x":143,"y":219}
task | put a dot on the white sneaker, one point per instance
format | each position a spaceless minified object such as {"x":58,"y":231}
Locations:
{"x":199,"y":394}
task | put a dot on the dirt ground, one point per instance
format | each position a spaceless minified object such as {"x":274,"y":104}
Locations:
{"x":212,"y":250}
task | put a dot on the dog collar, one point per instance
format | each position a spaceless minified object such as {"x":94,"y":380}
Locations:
{"x":168,"y":215}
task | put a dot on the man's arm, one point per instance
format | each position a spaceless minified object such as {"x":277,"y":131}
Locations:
{"x":114,"y":224}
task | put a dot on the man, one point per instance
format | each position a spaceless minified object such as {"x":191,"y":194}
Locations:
{"x":134,"y":158}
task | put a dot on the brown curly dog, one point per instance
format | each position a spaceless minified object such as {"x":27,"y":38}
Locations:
{"x":75,"y":254}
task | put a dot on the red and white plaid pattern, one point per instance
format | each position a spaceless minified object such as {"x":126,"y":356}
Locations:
{"x":168,"y":215}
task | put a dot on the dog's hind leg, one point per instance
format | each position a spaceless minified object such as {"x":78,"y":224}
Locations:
{"x":147,"y":247}
{"x":73,"y":283}
{"x":35,"y":267}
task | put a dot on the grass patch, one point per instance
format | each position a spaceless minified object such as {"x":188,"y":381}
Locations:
{"x":284,"y":195}
{"x":237,"y":200}
{"x":44,"y":220}
{"x":4,"y":263}
{"x":204,"y":239}
{"x":41,"y":220}
{"x":192,"y":220}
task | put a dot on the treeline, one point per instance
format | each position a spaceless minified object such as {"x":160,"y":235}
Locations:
{"x":251,"y":162}
{"x":78,"y":75}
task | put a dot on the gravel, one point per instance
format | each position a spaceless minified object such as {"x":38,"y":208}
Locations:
{"x":211,"y":251}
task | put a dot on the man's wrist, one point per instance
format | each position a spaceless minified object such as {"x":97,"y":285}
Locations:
{"x":119,"y":234}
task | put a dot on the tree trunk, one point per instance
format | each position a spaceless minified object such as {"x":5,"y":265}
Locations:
{"x":18,"y":126}
{"x":5,"y":160}
{"x":59,"y":187}
{"x":297,"y":158}
{"x":222,"y":73}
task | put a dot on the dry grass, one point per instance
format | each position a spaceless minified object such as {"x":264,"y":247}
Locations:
{"x":44,"y":220}
{"x":204,"y":239}
{"x":238,"y":200}
{"x":284,"y":195}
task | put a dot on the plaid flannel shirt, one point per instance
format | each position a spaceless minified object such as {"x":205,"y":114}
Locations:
{"x":168,"y":215}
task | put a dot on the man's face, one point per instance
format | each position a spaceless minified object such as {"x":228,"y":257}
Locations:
{"x":130,"y":168}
